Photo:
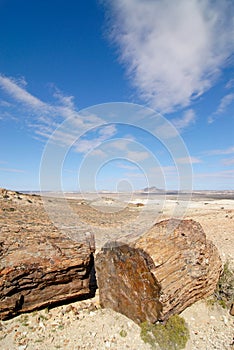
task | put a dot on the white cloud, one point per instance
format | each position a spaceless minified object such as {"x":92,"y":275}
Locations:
{"x":120,"y":144}
{"x":127,"y":166}
{"x":44,"y":118}
{"x":188,"y":160}
{"x":228,"y":161}
{"x":188,"y":118}
{"x":217,"y":152}
{"x":107,"y":131}
{"x":173,"y":50}
{"x":167,"y":170}
{"x":66,"y":101}
{"x":19,"y":93}
{"x":11,"y":170}
{"x":226,"y":174}
{"x":4,"y":103}
{"x":230,"y":84}
{"x":97,"y":153}
{"x":225,"y":102}
{"x":137,"y":156}
{"x":87,"y":145}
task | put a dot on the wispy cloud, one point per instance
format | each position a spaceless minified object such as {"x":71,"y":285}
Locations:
{"x":87,"y":145}
{"x":127,"y":166}
{"x":168,"y":169}
{"x":187,"y":119}
{"x":120,"y":144}
{"x":217,"y":152}
{"x":4,"y":103}
{"x":19,"y":93}
{"x":11,"y":170}
{"x":44,"y":118}
{"x":225,"y":102}
{"x":173,"y":50}
{"x":66,"y":101}
{"x":188,"y":160}
{"x":230,"y":84}
{"x":137,"y":156}
{"x":228,"y":161}
{"x":226,"y":174}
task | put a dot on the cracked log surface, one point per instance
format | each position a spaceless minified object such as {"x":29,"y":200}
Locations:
{"x":126,"y":284}
{"x":39,"y":266}
{"x":186,"y":265}
{"x":169,"y":268}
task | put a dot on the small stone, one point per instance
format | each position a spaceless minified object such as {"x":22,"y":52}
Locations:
{"x":68,"y":308}
{"x":232,"y":310}
{"x":225,"y":320}
{"x":107,"y":344}
{"x":41,"y":324}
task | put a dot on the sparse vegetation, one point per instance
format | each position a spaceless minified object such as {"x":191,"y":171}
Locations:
{"x":123,"y":333}
{"x":24,"y":320}
{"x":43,"y":317}
{"x":171,"y":336}
{"x":224,"y":292}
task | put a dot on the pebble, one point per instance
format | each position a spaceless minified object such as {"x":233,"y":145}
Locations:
{"x":41,"y":324}
{"x":232,"y":310}
{"x":107,"y":344}
{"x":225,"y":320}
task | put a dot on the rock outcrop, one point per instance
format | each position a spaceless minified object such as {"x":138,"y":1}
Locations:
{"x":185,"y":266}
{"x":39,"y":266}
{"x":126,"y":284}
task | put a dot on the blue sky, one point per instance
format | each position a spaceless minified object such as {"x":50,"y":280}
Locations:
{"x":65,"y":65}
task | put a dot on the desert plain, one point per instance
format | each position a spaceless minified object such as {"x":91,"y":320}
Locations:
{"x":112,"y":217}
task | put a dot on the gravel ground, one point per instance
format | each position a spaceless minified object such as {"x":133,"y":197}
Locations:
{"x":84,"y":325}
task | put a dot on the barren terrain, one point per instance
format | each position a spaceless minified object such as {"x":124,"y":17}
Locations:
{"x":82,"y":324}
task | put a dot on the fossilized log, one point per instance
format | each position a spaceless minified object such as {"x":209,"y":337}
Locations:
{"x":184,"y":264}
{"x":39,"y":270}
{"x":126,"y":284}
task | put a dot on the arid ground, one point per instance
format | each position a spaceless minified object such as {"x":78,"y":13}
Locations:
{"x":83,"y":324}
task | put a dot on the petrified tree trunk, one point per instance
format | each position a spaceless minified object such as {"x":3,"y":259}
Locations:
{"x":176,"y":253}
{"x":126,"y":284}
{"x":38,"y":270}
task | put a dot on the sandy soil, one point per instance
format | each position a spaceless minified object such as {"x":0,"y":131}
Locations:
{"x":83,"y":325}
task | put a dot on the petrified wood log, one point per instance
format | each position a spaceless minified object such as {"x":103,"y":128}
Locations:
{"x":126,"y":284}
{"x":184,"y":264}
{"x":38,"y":270}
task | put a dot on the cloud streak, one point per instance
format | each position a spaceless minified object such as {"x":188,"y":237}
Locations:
{"x":173,"y":51}
{"x":217,"y":152}
{"x":187,"y":119}
{"x":20,"y":94}
{"x":225,"y":102}
{"x":228,"y":161}
{"x":11,"y":170}
{"x":188,"y":160}
{"x":44,"y":118}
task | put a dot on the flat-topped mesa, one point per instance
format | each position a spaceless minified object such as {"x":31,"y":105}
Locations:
{"x":40,"y":270}
{"x":173,"y":257}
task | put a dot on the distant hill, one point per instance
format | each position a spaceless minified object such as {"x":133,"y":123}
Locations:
{"x":152,"y":189}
